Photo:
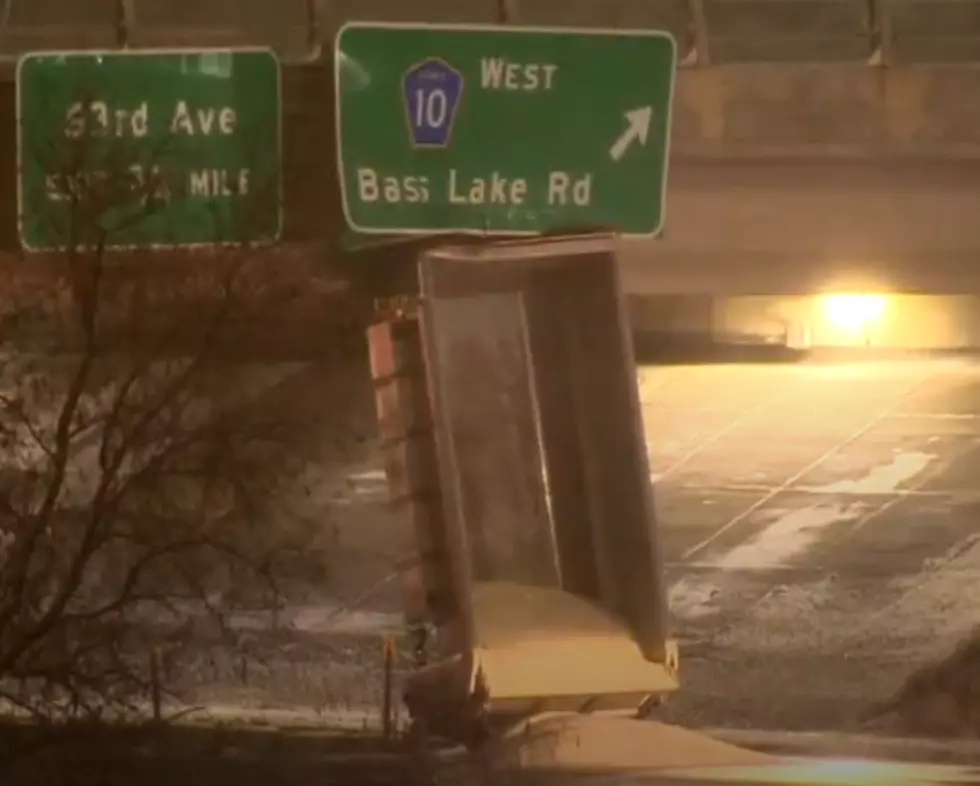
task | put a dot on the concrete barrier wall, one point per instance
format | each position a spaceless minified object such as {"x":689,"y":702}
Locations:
{"x":796,"y":226}
{"x":850,"y":211}
{"x":827,"y":109}
{"x":757,"y":76}
{"x":853,"y":226}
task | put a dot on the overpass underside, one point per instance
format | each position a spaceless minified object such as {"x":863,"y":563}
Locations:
{"x":866,"y":251}
{"x":793,"y":226}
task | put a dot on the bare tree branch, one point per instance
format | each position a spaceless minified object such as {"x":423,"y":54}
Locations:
{"x":139,"y":484}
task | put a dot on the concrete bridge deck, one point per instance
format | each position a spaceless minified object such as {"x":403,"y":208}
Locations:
{"x":824,"y":76}
{"x":710,"y":32}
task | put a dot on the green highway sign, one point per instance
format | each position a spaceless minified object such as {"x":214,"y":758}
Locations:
{"x":148,"y":148}
{"x":502,"y":130}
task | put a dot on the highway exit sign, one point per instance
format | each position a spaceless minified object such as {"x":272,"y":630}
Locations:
{"x":502,"y":130}
{"x":147,"y":148}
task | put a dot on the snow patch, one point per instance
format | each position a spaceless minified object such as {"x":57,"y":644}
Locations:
{"x":937,"y":607}
{"x":327,"y":619}
{"x":319,"y":618}
{"x":691,"y":598}
{"x":795,"y":601}
{"x":885,"y":479}
{"x":329,"y":718}
{"x":790,"y":618}
{"x":323,"y":486}
{"x":790,"y":535}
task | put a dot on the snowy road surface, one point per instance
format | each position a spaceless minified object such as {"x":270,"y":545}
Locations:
{"x":821,"y":530}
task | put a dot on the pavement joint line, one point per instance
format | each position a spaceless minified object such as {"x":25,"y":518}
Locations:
{"x":733,"y":487}
{"x":854,"y":436}
{"x":841,"y":571}
{"x":711,"y":566}
{"x":935,"y":416}
{"x":648,"y":386}
{"x":740,"y":419}
{"x":820,"y":491}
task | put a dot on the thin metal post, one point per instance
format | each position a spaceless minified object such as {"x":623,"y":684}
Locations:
{"x":881,"y":11}
{"x":699,"y":20}
{"x":312,"y":28}
{"x":387,"y":708}
{"x":156,"y":692}
{"x":507,"y":12}
{"x":125,"y":19}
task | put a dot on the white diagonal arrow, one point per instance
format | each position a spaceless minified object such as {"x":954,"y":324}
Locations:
{"x":637,"y":129}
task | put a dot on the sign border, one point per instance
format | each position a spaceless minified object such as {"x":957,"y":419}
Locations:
{"x":500,"y":29}
{"x":144,"y":52}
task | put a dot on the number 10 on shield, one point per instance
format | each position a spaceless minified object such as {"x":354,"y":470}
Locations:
{"x":431,"y":93}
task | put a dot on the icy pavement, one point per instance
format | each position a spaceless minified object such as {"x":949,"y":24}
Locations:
{"x":821,"y":530}
{"x":820,"y":525}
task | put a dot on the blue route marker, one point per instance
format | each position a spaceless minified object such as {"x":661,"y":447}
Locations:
{"x":431,"y":91}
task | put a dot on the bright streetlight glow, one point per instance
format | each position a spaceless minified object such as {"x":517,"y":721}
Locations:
{"x":852,"y":311}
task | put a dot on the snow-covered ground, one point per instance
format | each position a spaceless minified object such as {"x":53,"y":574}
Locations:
{"x":821,"y":544}
{"x":819,"y":524}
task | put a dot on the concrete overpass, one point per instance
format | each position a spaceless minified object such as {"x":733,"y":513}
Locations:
{"x":813,"y":139}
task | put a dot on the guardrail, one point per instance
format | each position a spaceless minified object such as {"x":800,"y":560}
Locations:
{"x":879,"y":33}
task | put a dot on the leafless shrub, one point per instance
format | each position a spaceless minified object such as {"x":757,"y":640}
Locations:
{"x":140,"y":477}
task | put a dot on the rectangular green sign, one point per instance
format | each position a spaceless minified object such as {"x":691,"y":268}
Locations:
{"x":148,"y":148}
{"x":502,"y":131}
